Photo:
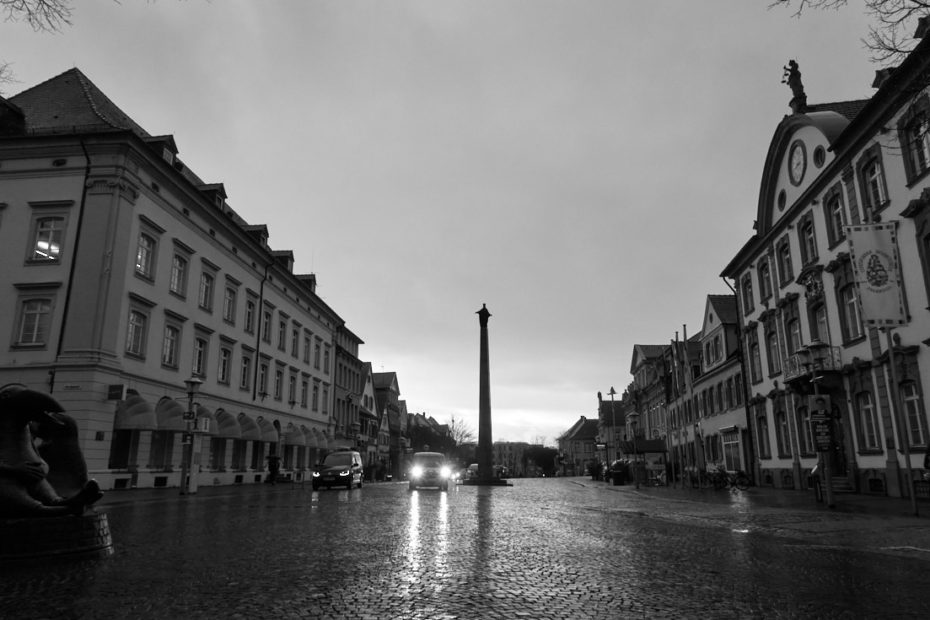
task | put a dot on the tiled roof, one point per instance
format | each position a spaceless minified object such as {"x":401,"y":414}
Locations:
{"x":849,"y":109}
{"x":725,"y":307}
{"x":71,"y":103}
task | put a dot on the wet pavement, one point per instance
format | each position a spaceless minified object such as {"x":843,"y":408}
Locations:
{"x":543,"y":548}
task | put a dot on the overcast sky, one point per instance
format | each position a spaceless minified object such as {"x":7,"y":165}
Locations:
{"x":585,"y":168}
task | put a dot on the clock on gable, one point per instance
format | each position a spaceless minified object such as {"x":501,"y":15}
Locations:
{"x":797,"y":162}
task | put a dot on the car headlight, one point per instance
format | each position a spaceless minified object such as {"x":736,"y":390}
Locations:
{"x":316,"y":474}
{"x":344,"y":472}
{"x":445,"y":472}
{"x":416,"y":471}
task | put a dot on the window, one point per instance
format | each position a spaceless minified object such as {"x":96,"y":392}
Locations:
{"x":851,"y":319}
{"x":306,"y":348}
{"x":135,"y":337}
{"x":199,"y":366}
{"x":229,"y":305}
{"x":316,"y":355}
{"x":250,"y":316}
{"x":914,"y":134}
{"x":808,"y":240}
{"x":746,"y":290}
{"x":872,"y":181}
{"x":805,"y":436}
{"x":731,"y":453}
{"x":282,"y":334}
{"x":292,"y":390}
{"x":263,"y":380}
{"x":325,"y":400}
{"x":765,"y":280}
{"x":914,"y":414}
{"x":145,"y":257}
{"x":47,"y":239}
{"x":326,"y":359}
{"x":868,"y":426}
{"x":245,"y":372}
{"x":835,"y":215}
{"x":178,"y":283}
{"x":783,"y":255}
{"x":222,"y":374}
{"x":793,"y":336}
{"x":169,"y":346}
{"x":266,"y":325}
{"x":819,"y":324}
{"x":772,"y":354}
{"x":205,"y":296}
{"x":295,"y":342}
{"x":762,"y":435}
{"x":278,"y":383}
{"x":316,"y":398}
{"x":304,"y":390}
{"x":35,"y":317}
{"x":782,"y":434}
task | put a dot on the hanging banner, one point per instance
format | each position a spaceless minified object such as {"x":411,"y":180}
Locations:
{"x":876,"y":267}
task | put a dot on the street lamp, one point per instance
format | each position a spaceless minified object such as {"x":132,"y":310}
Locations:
{"x":190,"y":417}
{"x":613,"y":423}
{"x":821,"y":419}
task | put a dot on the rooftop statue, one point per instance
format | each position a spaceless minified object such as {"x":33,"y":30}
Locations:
{"x":792,"y":77}
{"x":47,"y":481}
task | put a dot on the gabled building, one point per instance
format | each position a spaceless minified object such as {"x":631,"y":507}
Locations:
{"x":577,"y":447}
{"x":387,"y":399}
{"x":834,"y":171}
{"x":717,"y":393}
{"x":125,"y":275}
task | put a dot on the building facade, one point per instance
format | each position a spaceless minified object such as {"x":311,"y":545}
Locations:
{"x":810,"y":344}
{"x":127,"y":276}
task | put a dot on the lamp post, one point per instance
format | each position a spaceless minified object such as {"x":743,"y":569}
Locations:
{"x":821,"y":418}
{"x":613,"y":425}
{"x":190,"y":417}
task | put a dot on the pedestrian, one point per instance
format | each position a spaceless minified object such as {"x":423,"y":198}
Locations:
{"x":274,"y":466}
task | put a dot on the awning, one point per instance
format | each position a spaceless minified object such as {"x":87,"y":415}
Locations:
{"x":269,"y":432}
{"x":293,"y":436}
{"x":209,"y":427}
{"x":170,"y":415}
{"x":642,"y":446}
{"x":227,"y":425}
{"x":134,"y":414}
{"x":250,"y":430}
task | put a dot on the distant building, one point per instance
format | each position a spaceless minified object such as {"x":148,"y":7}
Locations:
{"x":578,"y":446}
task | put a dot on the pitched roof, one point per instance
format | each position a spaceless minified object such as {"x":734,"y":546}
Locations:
{"x":849,"y":109}
{"x":70,"y":102}
{"x":725,"y":307}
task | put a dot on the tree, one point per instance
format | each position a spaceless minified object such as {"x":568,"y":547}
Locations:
{"x":48,"y":15}
{"x":41,"y":15}
{"x":460,"y":432}
{"x":891,"y":36}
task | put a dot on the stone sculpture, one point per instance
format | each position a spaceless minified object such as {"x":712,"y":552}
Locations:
{"x":47,"y":481}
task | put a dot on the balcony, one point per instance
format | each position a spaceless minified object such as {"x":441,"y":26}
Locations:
{"x":812,"y":358}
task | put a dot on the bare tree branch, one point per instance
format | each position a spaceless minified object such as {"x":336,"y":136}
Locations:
{"x":890,"y":38}
{"x":48,"y":15}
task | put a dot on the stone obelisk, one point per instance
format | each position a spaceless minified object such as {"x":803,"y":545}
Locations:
{"x":486,"y":473}
{"x":485,"y":450}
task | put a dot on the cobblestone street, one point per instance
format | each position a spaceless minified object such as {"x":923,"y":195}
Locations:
{"x":544,"y":548}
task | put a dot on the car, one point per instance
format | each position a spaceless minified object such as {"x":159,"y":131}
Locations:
{"x":429,"y":469}
{"x":342,"y":468}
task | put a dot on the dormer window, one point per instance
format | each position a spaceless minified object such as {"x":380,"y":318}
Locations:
{"x":167,"y":155}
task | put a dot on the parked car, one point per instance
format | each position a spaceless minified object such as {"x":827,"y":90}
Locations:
{"x":429,"y":469}
{"x":342,"y":468}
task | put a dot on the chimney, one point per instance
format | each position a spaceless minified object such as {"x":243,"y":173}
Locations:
{"x":881,"y":76}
